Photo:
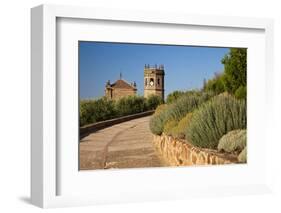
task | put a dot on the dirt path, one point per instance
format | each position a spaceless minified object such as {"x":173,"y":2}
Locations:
{"x":125,"y":145}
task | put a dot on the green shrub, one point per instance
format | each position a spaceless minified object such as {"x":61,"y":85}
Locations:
{"x":84,"y":112}
{"x":153,"y":101}
{"x":180,"y":129}
{"x":187,"y":103}
{"x":182,"y":106}
{"x":169,"y":127}
{"x":177,"y":110}
{"x":160,"y":108}
{"x":233,"y":142}
{"x":156,"y":123}
{"x":241,"y":92}
{"x":130,"y":105}
{"x":92,"y":111}
{"x":214,"y":119}
{"x":242,"y":157}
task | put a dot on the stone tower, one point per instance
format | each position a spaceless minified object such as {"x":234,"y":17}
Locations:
{"x":154,"y":81}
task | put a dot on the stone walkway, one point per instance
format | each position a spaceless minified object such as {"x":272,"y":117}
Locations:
{"x":124,"y":145}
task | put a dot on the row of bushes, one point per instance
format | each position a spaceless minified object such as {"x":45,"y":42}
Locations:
{"x":92,"y":111}
{"x":177,"y":94}
{"x":175,"y":111}
{"x":203,"y":120}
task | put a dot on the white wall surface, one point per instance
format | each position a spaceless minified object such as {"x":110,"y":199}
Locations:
{"x":15,"y":105}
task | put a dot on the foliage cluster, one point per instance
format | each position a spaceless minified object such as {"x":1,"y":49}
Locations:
{"x":216,"y":84}
{"x":130,"y":105}
{"x":178,"y":129}
{"x":92,"y":111}
{"x":153,"y":101}
{"x":241,"y":92}
{"x":172,"y":97}
{"x":214,"y":119}
{"x":234,"y":79}
{"x":158,"y":119}
{"x":101,"y":109}
{"x":233,"y":142}
{"x":176,"y":110}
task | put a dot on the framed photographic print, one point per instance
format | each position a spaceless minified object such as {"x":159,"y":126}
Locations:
{"x":130,"y":106}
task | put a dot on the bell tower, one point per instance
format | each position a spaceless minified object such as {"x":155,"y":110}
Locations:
{"x":154,"y":80}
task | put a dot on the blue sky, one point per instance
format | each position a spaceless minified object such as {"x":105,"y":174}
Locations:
{"x":185,"y":66}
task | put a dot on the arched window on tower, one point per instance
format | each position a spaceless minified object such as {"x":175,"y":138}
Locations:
{"x":158,"y":81}
{"x":151,"y":82}
{"x":145,"y":81}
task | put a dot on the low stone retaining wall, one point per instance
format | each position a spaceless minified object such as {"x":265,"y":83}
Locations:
{"x":90,"y":128}
{"x":180,"y":153}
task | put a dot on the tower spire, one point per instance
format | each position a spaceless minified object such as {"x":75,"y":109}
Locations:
{"x":120,"y":75}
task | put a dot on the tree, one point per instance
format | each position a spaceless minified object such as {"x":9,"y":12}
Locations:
{"x":235,"y":67}
{"x":216,"y":84}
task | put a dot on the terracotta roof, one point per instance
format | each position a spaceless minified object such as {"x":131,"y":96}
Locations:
{"x":122,"y":84}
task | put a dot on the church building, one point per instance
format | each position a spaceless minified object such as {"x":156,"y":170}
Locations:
{"x":119,"y":89}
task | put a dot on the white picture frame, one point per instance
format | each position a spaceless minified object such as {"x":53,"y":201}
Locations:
{"x":45,"y":152}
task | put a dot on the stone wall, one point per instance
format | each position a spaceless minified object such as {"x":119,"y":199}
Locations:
{"x":117,"y":93}
{"x":120,"y":93}
{"x":180,"y":153}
